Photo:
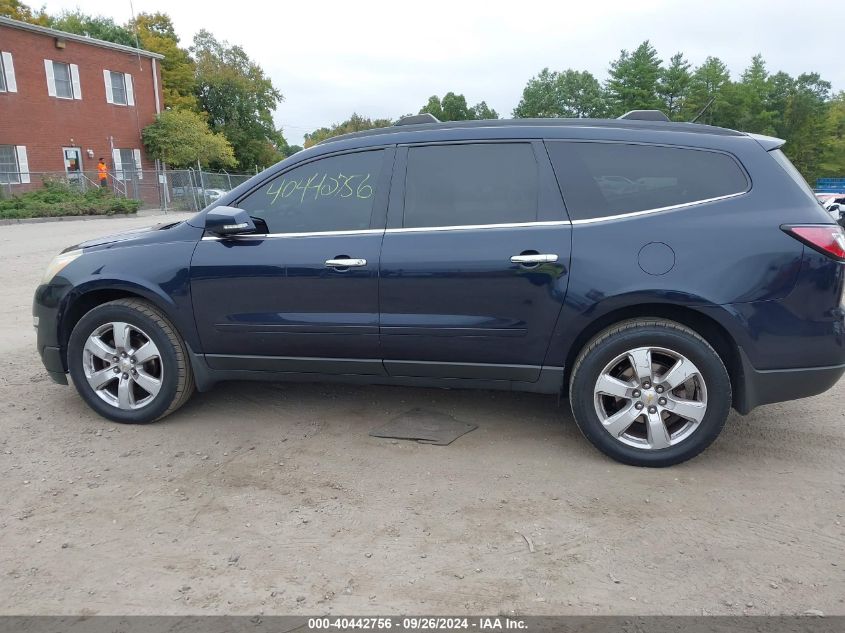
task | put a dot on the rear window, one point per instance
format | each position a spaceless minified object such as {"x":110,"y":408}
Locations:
{"x":484,"y":183}
{"x":605,"y":179}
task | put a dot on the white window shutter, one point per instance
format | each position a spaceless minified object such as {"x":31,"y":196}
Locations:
{"x":118,"y":166}
{"x":138,"y":167}
{"x":23,"y":163}
{"x":9,"y":67}
{"x":51,"y":79}
{"x":107,"y":80}
{"x":74,"y":78}
{"x":130,"y":93}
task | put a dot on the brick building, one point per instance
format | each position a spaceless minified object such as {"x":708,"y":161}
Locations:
{"x":66,"y":100}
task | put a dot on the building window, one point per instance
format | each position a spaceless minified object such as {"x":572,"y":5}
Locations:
{"x":62,"y":80}
{"x":119,"y":88}
{"x":64,"y":85}
{"x":7,"y":73}
{"x":9,"y":172}
{"x":127,"y":164}
{"x":128,"y":161}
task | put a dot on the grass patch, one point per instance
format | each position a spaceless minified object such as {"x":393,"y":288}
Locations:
{"x":57,"y":198}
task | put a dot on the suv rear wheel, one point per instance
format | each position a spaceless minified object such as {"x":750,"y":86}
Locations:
{"x":128,"y":362}
{"x":650,"y":392}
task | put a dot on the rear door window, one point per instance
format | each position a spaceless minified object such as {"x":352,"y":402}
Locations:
{"x":330,"y":194}
{"x":606,"y":179}
{"x":471,"y":184}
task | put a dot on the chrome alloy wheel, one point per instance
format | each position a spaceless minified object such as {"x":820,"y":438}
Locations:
{"x":650,"y":398}
{"x":123,"y":365}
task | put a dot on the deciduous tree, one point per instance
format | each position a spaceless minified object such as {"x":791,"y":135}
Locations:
{"x":239,"y":99}
{"x":453,"y":107}
{"x":180,"y":138}
{"x":355,"y":123}
{"x":178,"y":75}
{"x":570,"y":93}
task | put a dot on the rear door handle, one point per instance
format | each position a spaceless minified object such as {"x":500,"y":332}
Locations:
{"x":345,"y":263}
{"x":538,"y":258}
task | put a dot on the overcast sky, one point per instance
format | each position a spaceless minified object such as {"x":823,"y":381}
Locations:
{"x":384,"y":59}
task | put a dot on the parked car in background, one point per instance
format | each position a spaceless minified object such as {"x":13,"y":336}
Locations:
{"x":204,"y":196}
{"x":486,"y":254}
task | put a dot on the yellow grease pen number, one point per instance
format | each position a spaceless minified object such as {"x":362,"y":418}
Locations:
{"x":323,"y":186}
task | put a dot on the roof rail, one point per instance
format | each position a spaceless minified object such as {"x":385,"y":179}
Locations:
{"x":645,"y":115}
{"x":415,"y":119}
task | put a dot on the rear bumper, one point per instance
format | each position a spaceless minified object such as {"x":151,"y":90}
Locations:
{"x":779,"y":385}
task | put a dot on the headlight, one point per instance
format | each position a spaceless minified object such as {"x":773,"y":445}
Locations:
{"x":59,"y":262}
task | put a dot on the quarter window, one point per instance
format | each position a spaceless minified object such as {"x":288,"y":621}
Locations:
{"x":332,"y":194}
{"x":472,"y":184}
{"x":9,"y":171}
{"x":605,"y":179}
{"x":63,"y":81}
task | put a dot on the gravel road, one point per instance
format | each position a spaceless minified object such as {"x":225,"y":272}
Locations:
{"x":272,"y":498}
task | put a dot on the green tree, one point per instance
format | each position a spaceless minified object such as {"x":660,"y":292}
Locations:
{"x":453,"y":107}
{"x":180,"y":138}
{"x":833,"y":151}
{"x":17,"y":10}
{"x":673,"y":86}
{"x":780,"y":87}
{"x":98,"y":27}
{"x":634,"y":80}
{"x":755,"y":114}
{"x":570,"y":93}
{"x":239,"y":100}
{"x":178,"y":74}
{"x":706,"y":83}
{"x":355,"y":123}
{"x":806,"y":124}
{"x":482,"y":111}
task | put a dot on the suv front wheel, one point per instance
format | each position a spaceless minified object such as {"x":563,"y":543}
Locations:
{"x":128,"y":362}
{"x":650,"y":392}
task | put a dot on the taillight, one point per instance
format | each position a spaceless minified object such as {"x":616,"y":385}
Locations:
{"x":828,"y":239}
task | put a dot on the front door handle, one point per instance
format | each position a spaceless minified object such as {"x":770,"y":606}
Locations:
{"x":536,"y":258}
{"x":345,"y":262}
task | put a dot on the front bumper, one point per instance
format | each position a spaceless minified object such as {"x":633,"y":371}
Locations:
{"x":46,"y":306}
{"x":760,"y":387}
{"x":52,"y":359}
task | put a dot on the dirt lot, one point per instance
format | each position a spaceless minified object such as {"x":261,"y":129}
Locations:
{"x":272,"y":498}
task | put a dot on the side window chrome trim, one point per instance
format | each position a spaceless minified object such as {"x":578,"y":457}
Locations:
{"x":673,"y":207}
{"x":473,"y":227}
{"x":215,"y":238}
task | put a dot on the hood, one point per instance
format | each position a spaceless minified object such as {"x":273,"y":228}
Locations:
{"x":125,"y":236}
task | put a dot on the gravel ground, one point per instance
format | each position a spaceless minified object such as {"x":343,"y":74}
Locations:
{"x":272,"y":498}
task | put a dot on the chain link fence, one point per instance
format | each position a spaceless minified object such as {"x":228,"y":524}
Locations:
{"x":166,"y":189}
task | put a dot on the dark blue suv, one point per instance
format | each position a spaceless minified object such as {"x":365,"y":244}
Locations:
{"x":656,"y":273}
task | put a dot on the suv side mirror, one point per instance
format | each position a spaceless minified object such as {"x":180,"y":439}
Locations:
{"x":228,"y":221}
{"x":834,"y":208}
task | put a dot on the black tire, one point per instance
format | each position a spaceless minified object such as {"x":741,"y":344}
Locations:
{"x":177,"y":382}
{"x":649,"y":332}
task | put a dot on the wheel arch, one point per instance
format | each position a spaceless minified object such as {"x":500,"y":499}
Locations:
{"x":707,"y":327}
{"x":86,"y":297}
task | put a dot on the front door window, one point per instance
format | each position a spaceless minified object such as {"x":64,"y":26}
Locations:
{"x":73,"y":163}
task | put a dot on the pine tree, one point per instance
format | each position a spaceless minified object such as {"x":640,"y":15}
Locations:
{"x":634,"y":79}
{"x":673,"y":87}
